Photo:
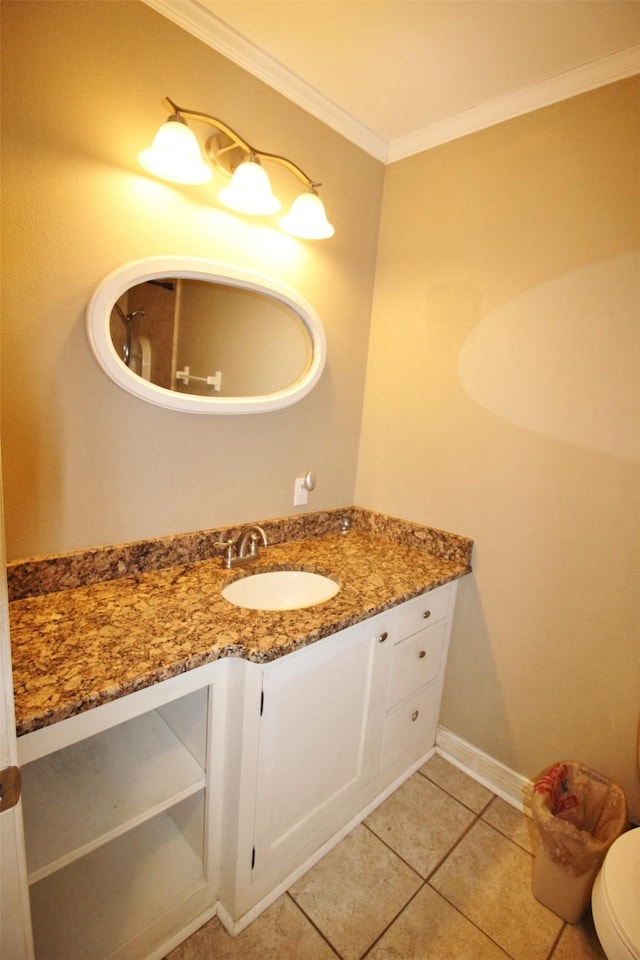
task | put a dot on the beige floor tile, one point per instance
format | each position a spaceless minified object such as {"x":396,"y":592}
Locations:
{"x":457,"y":783}
{"x":579,"y":942}
{"x":355,"y":891}
{"x":421,"y":823}
{"x":511,"y":822}
{"x":488,"y":878}
{"x":431,"y":929}
{"x":281,"y":933}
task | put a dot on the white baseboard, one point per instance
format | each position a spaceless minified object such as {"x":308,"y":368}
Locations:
{"x":506,"y":783}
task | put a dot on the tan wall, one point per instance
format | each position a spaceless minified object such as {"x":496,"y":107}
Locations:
{"x":502,"y":403}
{"x":499,"y":401}
{"x":85,"y":463}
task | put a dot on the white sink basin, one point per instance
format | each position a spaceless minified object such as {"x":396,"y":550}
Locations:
{"x":280,"y":590}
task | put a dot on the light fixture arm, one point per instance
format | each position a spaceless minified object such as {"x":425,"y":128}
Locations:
{"x":240,"y":142}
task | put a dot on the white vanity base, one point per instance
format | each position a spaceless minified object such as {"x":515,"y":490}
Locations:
{"x":212,"y":792}
{"x":234,"y":927}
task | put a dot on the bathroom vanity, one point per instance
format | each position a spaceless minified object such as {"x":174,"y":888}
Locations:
{"x":242,"y":756}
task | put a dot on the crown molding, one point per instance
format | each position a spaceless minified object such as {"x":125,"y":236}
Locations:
{"x":616,"y":66}
{"x":204,"y":25}
{"x":201,"y":23}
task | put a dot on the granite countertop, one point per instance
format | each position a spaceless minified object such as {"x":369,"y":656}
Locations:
{"x":88,"y":645}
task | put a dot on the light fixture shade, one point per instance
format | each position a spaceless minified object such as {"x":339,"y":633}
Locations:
{"x":175,"y":154}
{"x":307,"y":218}
{"x":250,"y":191}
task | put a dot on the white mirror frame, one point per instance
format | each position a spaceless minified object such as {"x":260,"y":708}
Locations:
{"x":154,"y":268}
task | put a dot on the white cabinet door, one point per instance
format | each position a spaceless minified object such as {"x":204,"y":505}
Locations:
{"x":315,"y":755}
{"x":15,"y":924}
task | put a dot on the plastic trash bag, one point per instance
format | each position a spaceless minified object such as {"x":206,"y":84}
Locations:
{"x":578,"y":814}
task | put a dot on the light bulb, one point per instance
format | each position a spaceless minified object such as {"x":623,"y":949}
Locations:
{"x":250,"y":191}
{"x":175,"y":154}
{"x":307,"y":218}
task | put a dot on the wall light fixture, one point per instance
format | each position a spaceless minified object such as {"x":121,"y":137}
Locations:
{"x":175,"y":155}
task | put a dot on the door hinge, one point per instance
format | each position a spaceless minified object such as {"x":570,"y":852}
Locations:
{"x":10,"y":786}
{"x":261,"y":702}
{"x":253,"y":858}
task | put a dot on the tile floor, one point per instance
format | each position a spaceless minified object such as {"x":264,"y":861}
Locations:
{"x":440,"y":871}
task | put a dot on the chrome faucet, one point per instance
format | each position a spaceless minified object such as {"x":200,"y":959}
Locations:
{"x":245,"y":550}
{"x":247,"y":546}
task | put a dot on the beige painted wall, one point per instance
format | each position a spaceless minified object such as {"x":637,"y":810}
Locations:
{"x":85,"y":463}
{"x":499,"y":401}
{"x":502,"y":402}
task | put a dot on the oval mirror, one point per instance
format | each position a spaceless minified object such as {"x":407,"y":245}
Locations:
{"x":201,"y":336}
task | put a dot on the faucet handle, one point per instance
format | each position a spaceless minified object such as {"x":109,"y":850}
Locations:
{"x":228,"y":550}
{"x":253,"y":544}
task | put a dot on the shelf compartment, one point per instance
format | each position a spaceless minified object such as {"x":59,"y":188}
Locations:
{"x":85,"y":795}
{"x":105,"y":901}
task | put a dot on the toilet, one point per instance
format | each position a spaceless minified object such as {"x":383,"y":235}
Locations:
{"x":615,"y":900}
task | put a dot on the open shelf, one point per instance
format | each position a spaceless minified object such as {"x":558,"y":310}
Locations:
{"x":91,"y":792}
{"x":98,"y":904}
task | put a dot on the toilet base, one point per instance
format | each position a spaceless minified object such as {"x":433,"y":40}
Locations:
{"x":610,"y":941}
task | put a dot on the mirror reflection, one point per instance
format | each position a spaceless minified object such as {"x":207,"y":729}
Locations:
{"x":209,"y":339}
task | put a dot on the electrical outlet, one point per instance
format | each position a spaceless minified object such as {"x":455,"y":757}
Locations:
{"x":300,"y":492}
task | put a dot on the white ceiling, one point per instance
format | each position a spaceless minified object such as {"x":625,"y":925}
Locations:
{"x":400,"y":76}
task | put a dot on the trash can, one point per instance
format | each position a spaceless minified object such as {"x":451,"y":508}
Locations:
{"x":577,"y":814}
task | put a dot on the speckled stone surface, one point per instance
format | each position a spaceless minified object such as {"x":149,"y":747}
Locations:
{"x":51,"y":574}
{"x":76,"y":647}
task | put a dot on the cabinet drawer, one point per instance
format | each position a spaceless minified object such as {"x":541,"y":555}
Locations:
{"x":421,"y":612}
{"x":415,"y":662}
{"x":411,"y":730}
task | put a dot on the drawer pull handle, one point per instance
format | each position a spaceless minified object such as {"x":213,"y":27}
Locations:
{"x":422,"y":654}
{"x":383,"y":637}
{"x":426,"y":614}
{"x":414,"y":715}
